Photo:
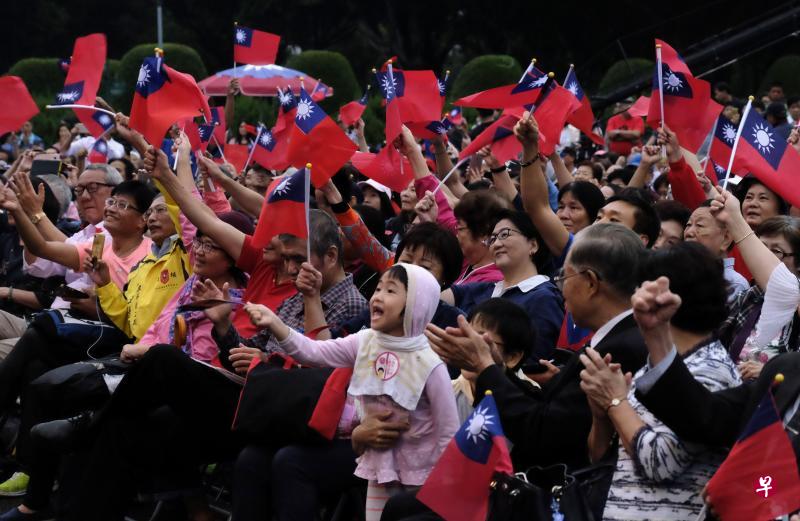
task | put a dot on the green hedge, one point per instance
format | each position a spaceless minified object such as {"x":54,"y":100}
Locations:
{"x":180,"y":57}
{"x":625,"y":71}
{"x":486,"y":72}
{"x":786,"y":70}
{"x":42,"y":75}
{"x":334,"y":70}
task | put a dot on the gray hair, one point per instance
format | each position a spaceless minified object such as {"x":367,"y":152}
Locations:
{"x":613,"y":252}
{"x":113,"y":177}
{"x":323,"y":233}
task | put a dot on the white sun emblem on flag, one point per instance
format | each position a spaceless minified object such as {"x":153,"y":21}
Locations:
{"x":441,"y":86}
{"x":728,"y":132}
{"x":388,"y":85}
{"x":573,"y":88}
{"x":478,"y":428}
{"x":240,"y":35}
{"x":144,"y":76}
{"x":763,"y":138}
{"x":672,"y":82}
{"x":285,"y":98}
{"x":265,"y":139}
{"x":718,"y":169}
{"x":283,"y":187}
{"x":70,"y":95}
{"x":104,"y":119}
{"x":441,"y":129}
{"x":538,"y":82}
{"x":304,"y":109}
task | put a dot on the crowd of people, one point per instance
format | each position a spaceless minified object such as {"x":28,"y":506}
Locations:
{"x":625,"y":314}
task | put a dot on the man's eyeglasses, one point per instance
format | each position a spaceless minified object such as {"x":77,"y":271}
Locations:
{"x":502,"y":235}
{"x":89,"y":187}
{"x":157,"y":210}
{"x":120,"y":204}
{"x":559,"y":279}
{"x":780,"y":253}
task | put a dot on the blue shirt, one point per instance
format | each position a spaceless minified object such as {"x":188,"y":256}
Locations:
{"x":539,"y":297}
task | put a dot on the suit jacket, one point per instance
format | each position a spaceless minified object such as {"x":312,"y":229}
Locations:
{"x":696,"y":414}
{"x":553,"y":427}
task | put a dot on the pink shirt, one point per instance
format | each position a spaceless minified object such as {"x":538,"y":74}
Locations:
{"x":446,"y":218}
{"x":433,"y":422}
{"x":118,"y":266}
{"x":486,"y":273}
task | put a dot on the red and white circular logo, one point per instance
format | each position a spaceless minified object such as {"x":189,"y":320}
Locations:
{"x":386,"y":365}
{"x":164,"y":276}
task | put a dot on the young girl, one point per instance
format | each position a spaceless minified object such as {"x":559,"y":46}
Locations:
{"x":394,"y":369}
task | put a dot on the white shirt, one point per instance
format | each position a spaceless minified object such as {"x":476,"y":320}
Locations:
{"x":601,"y":333}
{"x":524,"y":286}
{"x":115,"y":149}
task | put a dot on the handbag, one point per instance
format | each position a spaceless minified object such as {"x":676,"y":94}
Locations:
{"x":278,"y":400}
{"x":538,"y":494}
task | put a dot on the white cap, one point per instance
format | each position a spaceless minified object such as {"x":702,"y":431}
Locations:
{"x":377,"y":186}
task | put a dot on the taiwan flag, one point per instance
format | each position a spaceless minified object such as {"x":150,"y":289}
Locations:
{"x":500,"y":138}
{"x":285,"y":209}
{"x":572,"y":336}
{"x":689,"y":110}
{"x":455,"y":117}
{"x":317,"y":139}
{"x":220,"y":127}
{"x":458,"y":486}
{"x":551,"y":110}
{"x":286,"y":110}
{"x":715,"y":171}
{"x":83,"y":79}
{"x":199,"y":135}
{"x":351,"y":112}
{"x":722,"y":145}
{"x":759,"y":479}
{"x":385,"y":167}
{"x":524,"y":92}
{"x":16,"y":104}
{"x":640,"y":107}
{"x":163,"y":96}
{"x":268,"y":151}
{"x":765,"y":154}
{"x":254,"y":47}
{"x":237,"y":156}
{"x":583,"y":117}
{"x":430,"y":130}
{"x":415,"y":92}
{"x":99,"y":152}
{"x":442,"y":83}
{"x":101,"y":123}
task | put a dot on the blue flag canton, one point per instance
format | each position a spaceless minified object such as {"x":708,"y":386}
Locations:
{"x":243,"y":36}
{"x":287,"y":100}
{"x":501,"y":133}
{"x":718,"y":169}
{"x":455,"y":112}
{"x":363,"y":99}
{"x":71,"y":93}
{"x":762,"y":137}
{"x":393,"y":85}
{"x":675,"y":83}
{"x":205,"y":131}
{"x":151,"y":76}
{"x":725,"y":130}
{"x":442,"y":84}
{"x":265,"y":139}
{"x":103,"y":119}
{"x":533,"y":79}
{"x":439,"y":127}
{"x":64,"y":63}
{"x":290,"y":188}
{"x":765,"y":415}
{"x":309,"y":114}
{"x":475,"y":438}
{"x":572,"y":85}
{"x":101,"y":147}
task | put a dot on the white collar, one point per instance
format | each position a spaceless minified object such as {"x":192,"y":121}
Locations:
{"x":524,"y":286}
{"x":729,"y":262}
{"x":601,"y":333}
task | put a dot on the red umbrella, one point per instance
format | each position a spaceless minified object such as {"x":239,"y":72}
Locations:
{"x":263,"y":80}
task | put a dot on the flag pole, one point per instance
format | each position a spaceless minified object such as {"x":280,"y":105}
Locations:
{"x":545,"y":87}
{"x":660,"y":73}
{"x":305,"y":199}
{"x":736,"y":141}
{"x":219,"y":147}
{"x":391,"y":80}
{"x":319,"y":80}
{"x":530,"y":67}
{"x":74,"y":106}
{"x":235,"y":25}
{"x":252,"y":150}
{"x":571,"y":68}
{"x":445,"y":178}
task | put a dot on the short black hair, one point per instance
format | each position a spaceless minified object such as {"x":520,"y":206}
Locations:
{"x":645,"y":218}
{"x":673,"y":211}
{"x":529,"y":231}
{"x":722,"y":86}
{"x":440,"y":243}
{"x":791,"y":100}
{"x":775,"y":83}
{"x":623,"y":173}
{"x":478,"y":210}
{"x":510,"y":322}
{"x":590,"y":197}
{"x":568,"y":151}
{"x":659,"y":181}
{"x":141,"y":194}
{"x":696,"y":276}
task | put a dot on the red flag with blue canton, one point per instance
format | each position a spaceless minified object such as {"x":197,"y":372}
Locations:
{"x":522,"y":93}
{"x":218,"y":119}
{"x":351,"y":112}
{"x":99,"y":152}
{"x":722,"y":146}
{"x":101,"y":123}
{"x":458,"y":486}
{"x":765,"y":154}
{"x":285,"y":209}
{"x":759,"y":479}
{"x":572,"y":336}
{"x":286,"y":110}
{"x":454,"y":116}
{"x":583,"y":117}
{"x":269,"y":152}
{"x":500,"y":137}
{"x":689,"y":110}
{"x":416,"y":94}
{"x":551,"y":110}
{"x":430,"y":130}
{"x":163,"y":96}
{"x":317,"y":139}
{"x":254,"y":47}
{"x":16,"y":104}
{"x":83,"y":79}
{"x":715,"y":171}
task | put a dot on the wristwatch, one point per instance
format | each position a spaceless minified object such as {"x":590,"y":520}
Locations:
{"x":615,"y":402}
{"x":35,"y":218}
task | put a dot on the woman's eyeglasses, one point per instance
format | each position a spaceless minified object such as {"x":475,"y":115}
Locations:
{"x":204,"y":247}
{"x":502,"y":235}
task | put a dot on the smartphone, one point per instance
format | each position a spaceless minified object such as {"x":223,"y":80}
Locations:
{"x":98,"y":243}
{"x":46,"y":167}
{"x":66,"y":291}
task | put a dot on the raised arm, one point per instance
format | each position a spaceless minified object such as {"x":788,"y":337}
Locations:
{"x":124,"y":131}
{"x":32,"y":200}
{"x":500,"y":177}
{"x":533,"y":188}
{"x":249,"y":200}
{"x":650,"y":156}
{"x":233,"y":90}
{"x":685,"y":187}
{"x":229,"y":238}
{"x":563,"y":176}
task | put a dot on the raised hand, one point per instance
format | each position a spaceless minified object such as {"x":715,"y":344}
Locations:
{"x":462,"y":347}
{"x":426,"y":208}
{"x":309,"y":280}
{"x":669,"y":139}
{"x":155,"y":162}
{"x":260,"y":315}
{"x":602,"y":381}
{"x":527,"y":132}
{"x":31,"y":200}
{"x":654,"y":304}
{"x":726,"y":207}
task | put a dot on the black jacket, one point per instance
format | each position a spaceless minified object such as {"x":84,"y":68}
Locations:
{"x":553,"y":427}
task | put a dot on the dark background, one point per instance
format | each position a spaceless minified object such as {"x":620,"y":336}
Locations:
{"x":434,"y":34}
